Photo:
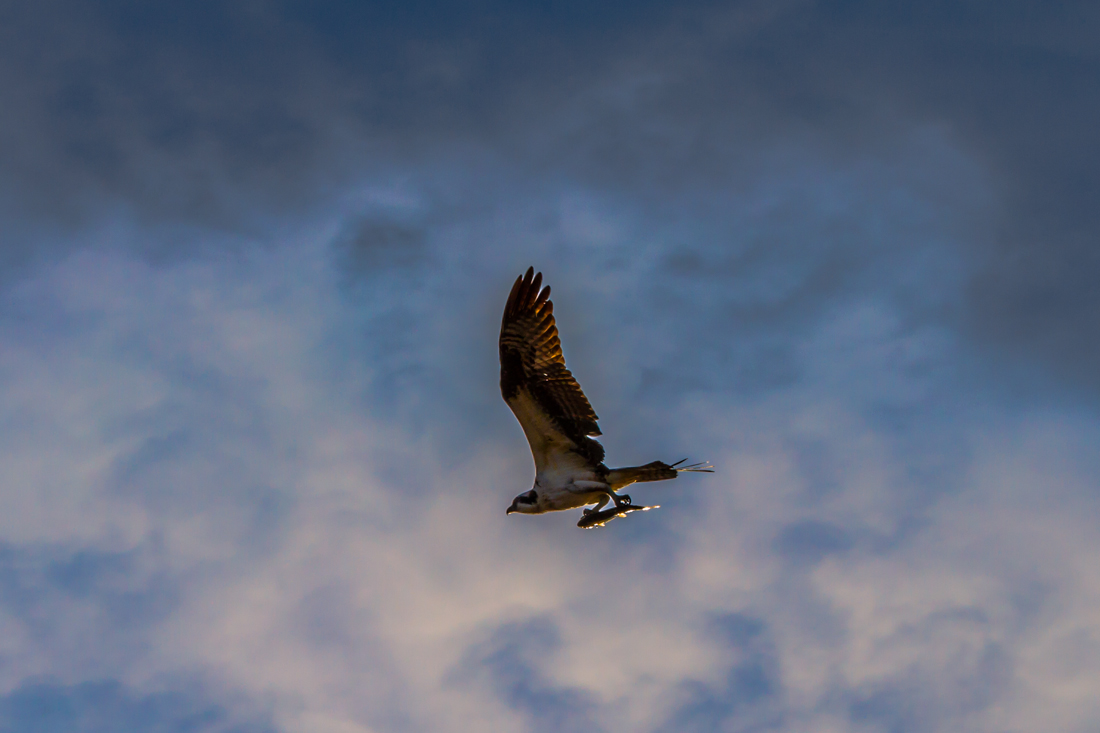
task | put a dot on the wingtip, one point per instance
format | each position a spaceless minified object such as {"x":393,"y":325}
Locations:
{"x":527,"y":291}
{"x":524,"y":290}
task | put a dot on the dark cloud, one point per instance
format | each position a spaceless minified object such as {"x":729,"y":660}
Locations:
{"x":750,"y":697}
{"x":812,"y":541}
{"x":914,"y":704}
{"x":374,"y":245}
{"x":509,"y":661}
{"x":219,"y":112}
{"x":108,"y":705}
{"x":192,"y":112}
{"x":50,"y":589}
{"x":255,"y":88}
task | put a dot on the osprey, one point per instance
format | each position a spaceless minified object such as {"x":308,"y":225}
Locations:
{"x":557,"y":418}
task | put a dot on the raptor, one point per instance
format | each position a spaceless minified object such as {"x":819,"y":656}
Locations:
{"x":559,"y":421}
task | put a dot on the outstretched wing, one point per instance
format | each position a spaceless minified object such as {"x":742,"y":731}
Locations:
{"x":556,"y":416}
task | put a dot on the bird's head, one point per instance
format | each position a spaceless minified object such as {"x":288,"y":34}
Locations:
{"x":525,"y":503}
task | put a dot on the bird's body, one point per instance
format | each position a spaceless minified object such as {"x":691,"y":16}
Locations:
{"x":555,"y":415}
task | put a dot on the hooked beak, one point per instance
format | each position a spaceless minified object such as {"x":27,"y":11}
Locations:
{"x":511,"y":509}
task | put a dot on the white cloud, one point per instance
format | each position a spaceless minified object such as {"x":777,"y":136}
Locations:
{"x":351,"y":569}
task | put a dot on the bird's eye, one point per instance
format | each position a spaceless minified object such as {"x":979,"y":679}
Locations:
{"x":532,"y":497}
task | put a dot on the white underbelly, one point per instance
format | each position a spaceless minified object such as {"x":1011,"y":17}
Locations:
{"x":556,"y":500}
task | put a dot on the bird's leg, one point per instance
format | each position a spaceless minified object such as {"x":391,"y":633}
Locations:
{"x":621,"y":500}
{"x":599,"y":505}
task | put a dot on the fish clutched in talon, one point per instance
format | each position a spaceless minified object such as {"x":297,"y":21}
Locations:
{"x":593,"y":519}
{"x":558,"y":420}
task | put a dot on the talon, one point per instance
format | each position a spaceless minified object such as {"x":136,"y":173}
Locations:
{"x":622,"y":500}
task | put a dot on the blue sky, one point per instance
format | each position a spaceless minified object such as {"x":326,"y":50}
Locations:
{"x":256,"y":461}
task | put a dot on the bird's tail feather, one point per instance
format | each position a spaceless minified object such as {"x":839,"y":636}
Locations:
{"x":656,"y":471}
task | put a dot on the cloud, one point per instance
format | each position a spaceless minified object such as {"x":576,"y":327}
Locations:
{"x":232,"y":506}
{"x":256,"y":461}
{"x":104,"y":706}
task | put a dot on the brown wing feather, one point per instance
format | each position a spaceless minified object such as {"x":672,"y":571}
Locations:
{"x":531,"y":359}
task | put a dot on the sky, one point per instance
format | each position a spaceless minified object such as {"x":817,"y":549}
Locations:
{"x":253,"y":256}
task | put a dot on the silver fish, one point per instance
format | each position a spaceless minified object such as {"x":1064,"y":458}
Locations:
{"x":599,"y":519}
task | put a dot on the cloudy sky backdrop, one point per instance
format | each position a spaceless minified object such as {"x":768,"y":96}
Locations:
{"x":255,"y":462}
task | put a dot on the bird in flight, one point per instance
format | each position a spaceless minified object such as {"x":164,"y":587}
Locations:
{"x":558,"y":420}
